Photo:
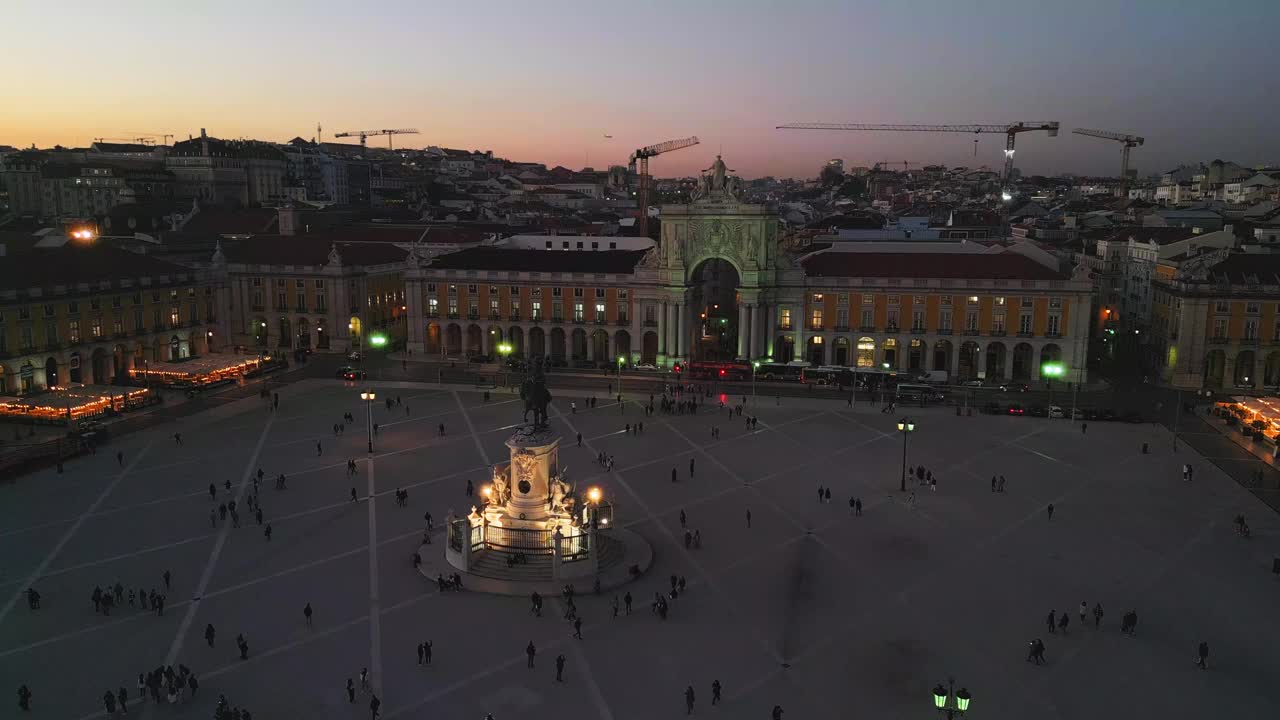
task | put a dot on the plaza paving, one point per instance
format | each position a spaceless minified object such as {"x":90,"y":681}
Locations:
{"x":826,"y":614}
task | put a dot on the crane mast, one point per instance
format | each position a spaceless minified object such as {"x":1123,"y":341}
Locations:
{"x":1128,"y":142}
{"x":640,"y":158}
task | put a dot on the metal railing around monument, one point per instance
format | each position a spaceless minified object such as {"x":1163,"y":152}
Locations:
{"x":457,"y":531}
{"x":575,"y":547}
{"x":518,"y":540}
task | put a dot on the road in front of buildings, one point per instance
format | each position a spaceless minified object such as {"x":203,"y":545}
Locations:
{"x":1152,"y":403}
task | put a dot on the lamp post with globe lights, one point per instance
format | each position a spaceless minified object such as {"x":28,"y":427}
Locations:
{"x":906,"y":427}
{"x":949,"y":701}
{"x":368,"y":396}
{"x":504,"y":349}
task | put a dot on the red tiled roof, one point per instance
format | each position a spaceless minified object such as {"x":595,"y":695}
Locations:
{"x":250,"y":221}
{"x":514,"y":259}
{"x":74,"y":263}
{"x":308,"y":250}
{"x":984,"y":266}
{"x":1158,"y":234}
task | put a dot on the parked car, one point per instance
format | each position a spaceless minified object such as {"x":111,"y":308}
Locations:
{"x":1057,"y":412}
{"x":1014,"y":387}
{"x":346,"y":372}
{"x":1039,"y":411}
{"x":1015,"y":409}
{"x":646,"y":366}
{"x":972,"y":383}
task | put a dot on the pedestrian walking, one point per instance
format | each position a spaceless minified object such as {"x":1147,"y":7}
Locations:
{"x":691,"y":468}
{"x":626,"y":602}
{"x":857,"y":506}
{"x":530,"y":651}
{"x":1063,"y":622}
{"x":167,"y":578}
{"x":560,"y":668}
{"x":209,"y":634}
{"x":353,"y":495}
{"x":827,"y":497}
{"x":579,"y":439}
{"x":688,"y":700}
{"x":351,"y":691}
{"x":1050,"y":510}
{"x":375,"y":707}
{"x":673,"y":474}
{"x":614,"y":606}
{"x":122,"y":696}
{"x":421,"y":653}
{"x":1097,"y":615}
{"x":426,"y":652}
{"x":364,"y":679}
{"x":683,"y":519}
{"x":1203,"y":656}
{"x":1050,"y":621}
{"x":319,"y":449}
{"x":715,"y":692}
{"x":1035,"y":651}
{"x":306,"y":613}
{"x":577,"y":628}
{"x":213,"y":491}
{"x":748,"y":518}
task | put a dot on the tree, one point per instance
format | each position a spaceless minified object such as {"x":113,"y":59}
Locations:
{"x":830,"y":176}
{"x":852,"y":187}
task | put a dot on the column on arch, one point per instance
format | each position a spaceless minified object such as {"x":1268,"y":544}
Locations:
{"x":682,"y":330}
{"x":742,"y":330}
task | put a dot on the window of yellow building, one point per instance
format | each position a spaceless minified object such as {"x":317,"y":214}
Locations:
{"x":815,"y":319}
{"x":866,"y":352}
{"x":784,"y":318}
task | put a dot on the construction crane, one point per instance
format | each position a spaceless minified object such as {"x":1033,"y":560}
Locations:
{"x":641,"y":157}
{"x":363,"y":134}
{"x":164,"y":136}
{"x":146,"y":140}
{"x":1129,"y":141}
{"x":884,"y":164}
{"x":1010,"y":132}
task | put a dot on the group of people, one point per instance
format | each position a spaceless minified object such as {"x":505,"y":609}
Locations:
{"x":112,"y":596}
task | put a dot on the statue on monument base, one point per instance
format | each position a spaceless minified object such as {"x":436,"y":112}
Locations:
{"x":535,"y":394}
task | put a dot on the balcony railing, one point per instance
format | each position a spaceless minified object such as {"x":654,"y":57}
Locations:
{"x":944,"y":331}
{"x":970,"y":331}
{"x":816,"y":327}
{"x":867,"y":328}
{"x":842,"y":328}
{"x":998,"y":333}
{"x":918,"y":331}
{"x":473,"y":316}
{"x":1219,"y":340}
{"x":514,"y":317}
{"x":622,"y":322}
{"x":1053,"y":335}
{"x":453,"y":316}
{"x":1249,"y":341}
{"x":1025,"y":334}
{"x":495,"y":316}
{"x":891,"y":328}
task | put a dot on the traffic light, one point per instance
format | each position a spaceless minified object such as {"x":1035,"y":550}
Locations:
{"x":721,"y":372}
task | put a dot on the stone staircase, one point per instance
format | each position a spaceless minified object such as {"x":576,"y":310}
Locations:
{"x":492,"y":564}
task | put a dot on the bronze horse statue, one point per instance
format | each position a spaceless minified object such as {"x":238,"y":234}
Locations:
{"x":535,"y":395}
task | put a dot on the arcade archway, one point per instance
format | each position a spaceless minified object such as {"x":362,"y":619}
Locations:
{"x":714,"y":298}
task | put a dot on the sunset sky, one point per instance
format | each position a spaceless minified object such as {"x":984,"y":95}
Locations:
{"x":545,"y":81}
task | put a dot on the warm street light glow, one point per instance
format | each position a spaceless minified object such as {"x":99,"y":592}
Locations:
{"x":377,"y":339}
{"x":487,"y":491}
{"x":368,"y":395}
{"x":1052,"y":370}
{"x":504,"y":349}
{"x":886,"y":366}
{"x":594,"y":495}
{"x":905,"y":425}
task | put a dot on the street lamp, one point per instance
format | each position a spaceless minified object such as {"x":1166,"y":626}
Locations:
{"x":621,"y":361}
{"x":504,"y":349}
{"x":593,"y":496}
{"x":1050,"y":371}
{"x":906,"y":427}
{"x":369,"y":396}
{"x":755,"y":365}
{"x":949,"y":702}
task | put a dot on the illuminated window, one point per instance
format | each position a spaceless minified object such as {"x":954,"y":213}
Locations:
{"x":784,"y":318}
{"x":1000,"y":301}
{"x":433,"y":307}
{"x":537,"y":309}
{"x":945,"y":300}
{"x":866,"y":352}
{"x":1024,"y":324}
{"x":577,"y":312}
{"x":73,"y":331}
{"x":997,"y":322}
{"x":944,"y":321}
{"x":815,"y":319}
{"x":973,"y":299}
{"x":917,"y":320}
